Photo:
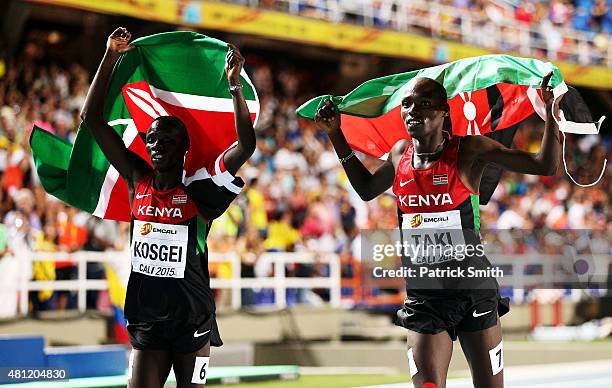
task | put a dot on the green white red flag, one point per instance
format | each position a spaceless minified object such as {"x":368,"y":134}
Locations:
{"x":175,"y":73}
{"x":489,"y":95}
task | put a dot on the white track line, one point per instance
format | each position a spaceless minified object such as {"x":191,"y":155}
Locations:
{"x":592,"y":374}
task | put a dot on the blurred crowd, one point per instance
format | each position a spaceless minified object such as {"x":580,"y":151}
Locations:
{"x":49,"y":96}
{"x":583,"y":15}
{"x":573,"y":30}
{"x":541,"y":28}
{"x":297,"y":196}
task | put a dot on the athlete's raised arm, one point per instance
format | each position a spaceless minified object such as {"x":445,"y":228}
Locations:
{"x":109,"y":141}
{"x":545,"y":162}
{"x":368,"y":185}
{"x":238,"y":155}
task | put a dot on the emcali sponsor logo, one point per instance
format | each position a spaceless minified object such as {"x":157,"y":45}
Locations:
{"x":416,"y":220}
{"x":436,"y":219}
{"x":146,"y":229}
{"x":164,"y":231}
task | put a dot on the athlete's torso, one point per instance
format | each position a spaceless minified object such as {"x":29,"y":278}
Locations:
{"x":435,"y":190}
{"x":169,"y":278}
{"x":438,"y":214}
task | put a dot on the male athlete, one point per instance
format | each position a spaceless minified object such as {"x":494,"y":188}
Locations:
{"x":169,"y":304}
{"x":436,"y":180}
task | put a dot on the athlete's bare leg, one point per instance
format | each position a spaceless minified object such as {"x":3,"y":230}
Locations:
{"x":431,"y":354}
{"x":184,"y":367}
{"x":484,"y":353}
{"x":149,"y":368}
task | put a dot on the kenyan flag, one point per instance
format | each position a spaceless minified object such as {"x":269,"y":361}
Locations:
{"x":489,"y":95}
{"x":175,"y":73}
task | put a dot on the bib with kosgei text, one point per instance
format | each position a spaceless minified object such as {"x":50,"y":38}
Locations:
{"x":159,"y":249}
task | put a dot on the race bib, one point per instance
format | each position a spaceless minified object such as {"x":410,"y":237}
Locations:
{"x":159,"y":249}
{"x":433,"y":238}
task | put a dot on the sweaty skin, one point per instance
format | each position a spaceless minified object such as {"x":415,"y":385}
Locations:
{"x":166,"y":142}
{"x":424,"y":109}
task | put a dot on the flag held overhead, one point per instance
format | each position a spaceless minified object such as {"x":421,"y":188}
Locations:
{"x":488,"y":95}
{"x":174,"y":73}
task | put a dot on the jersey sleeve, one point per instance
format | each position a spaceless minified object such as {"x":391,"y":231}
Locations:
{"x":213,"y":189}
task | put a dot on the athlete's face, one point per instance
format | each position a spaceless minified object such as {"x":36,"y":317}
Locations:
{"x":424,"y":107}
{"x":166,"y":146}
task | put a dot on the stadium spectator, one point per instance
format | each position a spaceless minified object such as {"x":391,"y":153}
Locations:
{"x":45,"y":241}
{"x":313,"y":8}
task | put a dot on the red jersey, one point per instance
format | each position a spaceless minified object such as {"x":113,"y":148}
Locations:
{"x":169,"y":278}
{"x":434,"y":197}
{"x":439,"y":221}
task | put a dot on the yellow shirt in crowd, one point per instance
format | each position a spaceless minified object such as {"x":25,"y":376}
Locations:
{"x":257,"y":209}
{"x":281,"y":236}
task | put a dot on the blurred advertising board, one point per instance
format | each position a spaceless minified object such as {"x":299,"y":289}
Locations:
{"x":159,"y":10}
{"x":285,"y":27}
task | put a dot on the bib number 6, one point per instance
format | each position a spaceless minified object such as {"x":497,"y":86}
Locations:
{"x":203,"y":372}
{"x":200,"y":370}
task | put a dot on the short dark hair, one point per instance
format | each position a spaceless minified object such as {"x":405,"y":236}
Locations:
{"x":438,"y":89}
{"x":174,"y":122}
{"x":171,"y":121}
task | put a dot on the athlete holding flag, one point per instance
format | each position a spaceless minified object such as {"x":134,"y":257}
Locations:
{"x":436,"y":180}
{"x":169,"y":304}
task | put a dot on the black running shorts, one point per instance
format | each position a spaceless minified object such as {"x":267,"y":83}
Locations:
{"x":466,"y":310}
{"x":175,"y":336}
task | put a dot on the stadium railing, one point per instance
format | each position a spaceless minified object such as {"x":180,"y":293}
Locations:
{"x":278,"y":261}
{"x":279,"y":281}
{"x":456,"y":24}
{"x":525,"y":272}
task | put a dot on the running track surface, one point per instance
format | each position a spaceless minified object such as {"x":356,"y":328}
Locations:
{"x":591,"y":374}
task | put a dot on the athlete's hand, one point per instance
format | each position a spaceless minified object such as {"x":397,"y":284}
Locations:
{"x":118,"y":41}
{"x":547,"y":93}
{"x":234,"y":61}
{"x":328,"y":118}
{"x":548,"y":96}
